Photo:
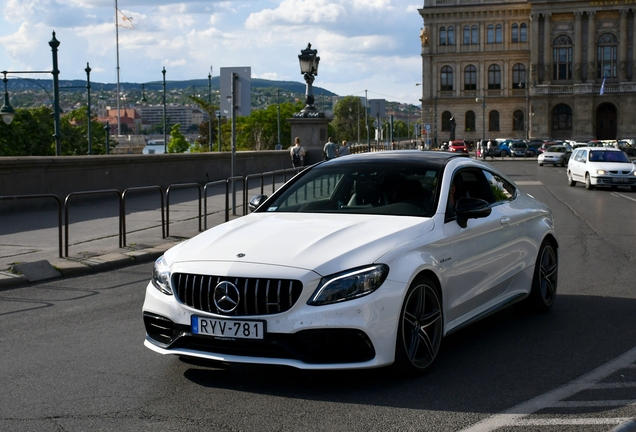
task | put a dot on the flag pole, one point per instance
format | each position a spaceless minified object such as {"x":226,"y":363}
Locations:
{"x":117,"y":41}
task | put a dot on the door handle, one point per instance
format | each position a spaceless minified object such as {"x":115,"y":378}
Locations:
{"x":505,"y":221}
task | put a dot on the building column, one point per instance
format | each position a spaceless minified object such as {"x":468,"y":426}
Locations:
{"x":578,"y":47}
{"x":534,"y":46}
{"x":622,"y":47}
{"x":547,"y":48}
{"x":591,"y":46}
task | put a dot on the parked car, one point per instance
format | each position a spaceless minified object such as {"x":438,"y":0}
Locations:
{"x":402,"y":248}
{"x":604,"y":166}
{"x":458,"y":146}
{"x":521,"y":149}
{"x":555,"y":155}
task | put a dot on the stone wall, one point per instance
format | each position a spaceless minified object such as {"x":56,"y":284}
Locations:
{"x":66,"y":174}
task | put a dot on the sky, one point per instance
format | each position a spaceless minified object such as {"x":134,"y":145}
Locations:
{"x":370,"y":45}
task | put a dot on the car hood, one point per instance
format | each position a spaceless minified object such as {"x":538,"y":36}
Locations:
{"x":613,"y":166}
{"x":325,"y":243}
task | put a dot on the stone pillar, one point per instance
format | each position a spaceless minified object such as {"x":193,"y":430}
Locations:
{"x":534,"y":46}
{"x":547,"y":48}
{"x":578,"y":47}
{"x":313,"y":136}
{"x":591,"y":46}
{"x":622,"y":46}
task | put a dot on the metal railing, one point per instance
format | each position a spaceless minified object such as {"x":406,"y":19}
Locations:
{"x":123,"y":210}
{"x":180,"y":186}
{"x":97,"y":192}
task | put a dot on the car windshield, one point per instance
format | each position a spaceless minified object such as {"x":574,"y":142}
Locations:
{"x":556,"y":149}
{"x":386,"y":188}
{"x":608,"y":156}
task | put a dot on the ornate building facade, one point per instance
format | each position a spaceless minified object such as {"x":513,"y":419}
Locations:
{"x":528,"y":69}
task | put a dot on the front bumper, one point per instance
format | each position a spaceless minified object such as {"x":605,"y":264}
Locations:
{"x":358,"y":333}
{"x":613,"y":180}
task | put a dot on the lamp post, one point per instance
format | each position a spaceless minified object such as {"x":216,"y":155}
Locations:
{"x":309,"y":61}
{"x":366,"y":120}
{"x":210,"y":113}
{"x":88,"y":109}
{"x":218,"y":117}
{"x":278,"y":144}
{"x":7,"y":111}
{"x":107,"y":129}
{"x":482,"y":99}
{"x":165,"y":141}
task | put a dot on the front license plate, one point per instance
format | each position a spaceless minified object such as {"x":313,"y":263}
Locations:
{"x":621,"y":180}
{"x":231,"y":329}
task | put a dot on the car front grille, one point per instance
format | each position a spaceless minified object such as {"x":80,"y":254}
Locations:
{"x":255,"y":296}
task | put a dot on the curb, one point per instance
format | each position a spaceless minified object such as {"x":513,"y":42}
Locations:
{"x":25,"y":273}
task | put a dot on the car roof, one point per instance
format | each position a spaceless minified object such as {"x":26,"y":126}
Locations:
{"x":599,"y":148}
{"x":437,"y":158}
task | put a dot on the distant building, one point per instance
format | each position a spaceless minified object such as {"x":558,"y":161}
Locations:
{"x":529,"y":69}
{"x":184,"y":115}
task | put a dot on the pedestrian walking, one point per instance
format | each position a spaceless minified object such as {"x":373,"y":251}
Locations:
{"x":344,"y":150}
{"x":330,"y":150}
{"x":297,"y":154}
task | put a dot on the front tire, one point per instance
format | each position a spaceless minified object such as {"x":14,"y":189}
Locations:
{"x":544,"y":281}
{"x":419,"y":328}
{"x":588,"y":182}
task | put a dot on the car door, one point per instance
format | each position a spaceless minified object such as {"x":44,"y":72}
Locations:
{"x":577,"y":165}
{"x":485,"y":253}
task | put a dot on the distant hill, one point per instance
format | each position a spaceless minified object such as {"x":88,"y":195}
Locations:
{"x":16,"y":83}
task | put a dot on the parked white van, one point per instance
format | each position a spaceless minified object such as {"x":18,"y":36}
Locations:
{"x":154,"y":147}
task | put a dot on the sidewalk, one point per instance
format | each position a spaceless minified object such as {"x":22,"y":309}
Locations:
{"x":29,"y":239}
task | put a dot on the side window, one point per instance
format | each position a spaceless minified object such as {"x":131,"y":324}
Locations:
{"x":502,"y":189}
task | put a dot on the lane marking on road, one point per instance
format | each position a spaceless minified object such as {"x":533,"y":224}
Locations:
{"x":555,"y":398}
{"x":529,"y":183}
{"x":623,"y":196}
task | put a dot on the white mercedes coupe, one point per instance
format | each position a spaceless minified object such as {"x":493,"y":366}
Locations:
{"x":363,"y":261}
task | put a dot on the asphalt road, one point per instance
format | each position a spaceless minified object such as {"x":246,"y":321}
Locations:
{"x":73,"y":360}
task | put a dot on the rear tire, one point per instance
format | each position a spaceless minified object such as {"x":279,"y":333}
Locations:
{"x":419,"y":328}
{"x":544,"y":281}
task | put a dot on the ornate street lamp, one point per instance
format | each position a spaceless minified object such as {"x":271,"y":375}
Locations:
{"x":7,"y":110}
{"x":309,"y":60}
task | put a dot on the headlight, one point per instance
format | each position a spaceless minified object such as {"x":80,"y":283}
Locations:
{"x":349,"y":284}
{"x":601,"y":172}
{"x":161,"y":276}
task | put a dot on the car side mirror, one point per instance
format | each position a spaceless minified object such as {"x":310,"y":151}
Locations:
{"x":471,"y":208}
{"x":256,"y":202}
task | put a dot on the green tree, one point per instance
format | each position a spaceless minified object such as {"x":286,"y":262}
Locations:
{"x":204,"y":128}
{"x":178,"y":142}
{"x":30,"y":133}
{"x":74,"y":129}
{"x":348,"y":116}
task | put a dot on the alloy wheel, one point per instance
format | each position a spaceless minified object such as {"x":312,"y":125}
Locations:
{"x":421,"y":325}
{"x":548,"y":267}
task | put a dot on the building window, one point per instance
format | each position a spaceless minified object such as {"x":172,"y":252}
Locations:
{"x":519,"y":76}
{"x":498,"y":33}
{"x":446,"y":78}
{"x":562,"y":117}
{"x":451,"y":35}
{"x":447,"y":35}
{"x":490,"y":38}
{"x":514,"y":37}
{"x":562,"y":58}
{"x":523,"y":33}
{"x":446,"y":116}
{"x":494,"y":77}
{"x":517,"y":121}
{"x":494,"y":33}
{"x":493,"y":121}
{"x":470,"y":78}
{"x":470,"y":120}
{"x":471,"y":35}
{"x":606,"y":57}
